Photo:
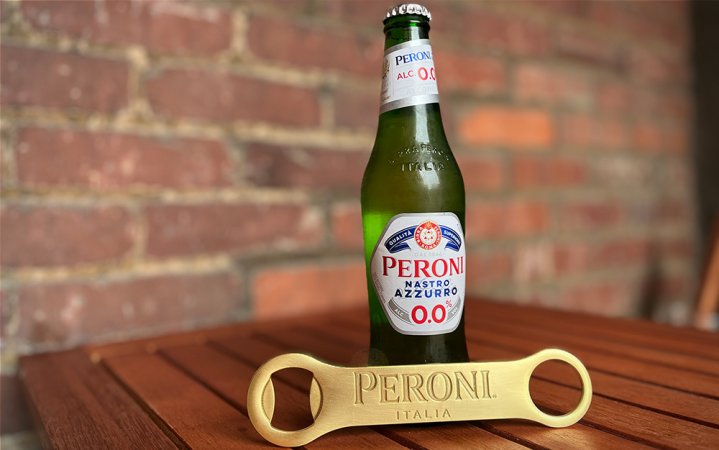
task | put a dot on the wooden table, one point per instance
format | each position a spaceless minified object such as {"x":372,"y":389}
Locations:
{"x":654,"y":385}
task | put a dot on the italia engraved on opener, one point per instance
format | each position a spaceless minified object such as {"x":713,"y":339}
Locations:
{"x":418,"y":270}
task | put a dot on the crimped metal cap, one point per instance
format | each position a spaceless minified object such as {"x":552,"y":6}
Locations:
{"x":408,"y":8}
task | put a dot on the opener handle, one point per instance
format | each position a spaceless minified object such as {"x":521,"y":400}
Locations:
{"x":379,"y":395}
{"x":573,"y":416}
{"x":260,"y":401}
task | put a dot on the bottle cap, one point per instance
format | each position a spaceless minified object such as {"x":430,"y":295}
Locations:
{"x":407,"y":9}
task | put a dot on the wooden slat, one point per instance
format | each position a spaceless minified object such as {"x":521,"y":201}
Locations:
{"x":668,"y":401}
{"x":198,"y":418}
{"x":579,"y":336}
{"x":337,"y":350}
{"x":454,"y":436}
{"x":597,"y":330}
{"x":690,"y":340}
{"x":530,"y":342}
{"x":229,"y":378}
{"x":578,"y":436}
{"x":80,"y":406}
{"x":225,"y":376}
{"x":149,"y":344}
{"x":96,"y":352}
{"x":649,"y":426}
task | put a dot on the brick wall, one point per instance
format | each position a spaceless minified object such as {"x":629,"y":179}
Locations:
{"x":173,"y":165}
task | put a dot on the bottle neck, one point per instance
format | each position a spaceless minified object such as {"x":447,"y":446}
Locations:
{"x":404,"y":29}
{"x":418,"y":123}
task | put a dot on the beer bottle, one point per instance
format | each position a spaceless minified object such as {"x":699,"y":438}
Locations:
{"x":413,"y":209}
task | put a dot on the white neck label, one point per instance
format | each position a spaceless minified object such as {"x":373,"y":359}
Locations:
{"x":408,"y":76}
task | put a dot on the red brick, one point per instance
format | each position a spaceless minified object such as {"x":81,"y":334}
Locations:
{"x":658,"y":70}
{"x":587,"y":49}
{"x":219,"y":228}
{"x":303,"y":7}
{"x":223,"y":97}
{"x":662,"y":104}
{"x":32,"y":77}
{"x":162,"y":27}
{"x":485,"y":268}
{"x":647,"y":136}
{"x":547,"y":172}
{"x":481,"y":173}
{"x":669,"y":210}
{"x":372,"y":13}
{"x":573,"y":257}
{"x":6,"y":9}
{"x":6,"y":311}
{"x":679,"y":171}
{"x":58,"y":236}
{"x":667,"y":21}
{"x":487,"y":219}
{"x":356,"y":109}
{"x":287,"y":41}
{"x":676,"y":138}
{"x":590,"y":215}
{"x":507,"y":34}
{"x":681,"y":248}
{"x":67,"y":314}
{"x":615,"y":97}
{"x":608,"y":299}
{"x":305,"y":168}
{"x":614,"y":135}
{"x":517,"y":128}
{"x":310,"y":288}
{"x":106,"y":161}
{"x":536,"y":82}
{"x":347,"y":225}
{"x":622,"y":252}
{"x":675,"y":287}
{"x":582,"y":131}
{"x":609,"y":14}
{"x":564,"y":7}
{"x":481,"y":74}
{"x":357,"y":12}
{"x":14,"y":410}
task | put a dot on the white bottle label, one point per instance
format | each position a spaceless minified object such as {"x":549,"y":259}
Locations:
{"x":408,"y":76}
{"x":418,"y":270}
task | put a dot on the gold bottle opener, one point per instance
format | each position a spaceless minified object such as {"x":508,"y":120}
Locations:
{"x":382,"y":395}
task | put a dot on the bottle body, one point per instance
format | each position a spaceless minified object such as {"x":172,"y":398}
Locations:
{"x":413,"y":210}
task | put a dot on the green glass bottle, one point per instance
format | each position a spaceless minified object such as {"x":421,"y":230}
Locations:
{"x":413,"y":209}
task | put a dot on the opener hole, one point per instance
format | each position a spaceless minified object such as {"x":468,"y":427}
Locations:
{"x":555,"y":387}
{"x":292,"y":399}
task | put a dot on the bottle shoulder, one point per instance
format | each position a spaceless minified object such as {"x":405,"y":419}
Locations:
{"x":420,"y":176}
{"x":398,"y":159}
